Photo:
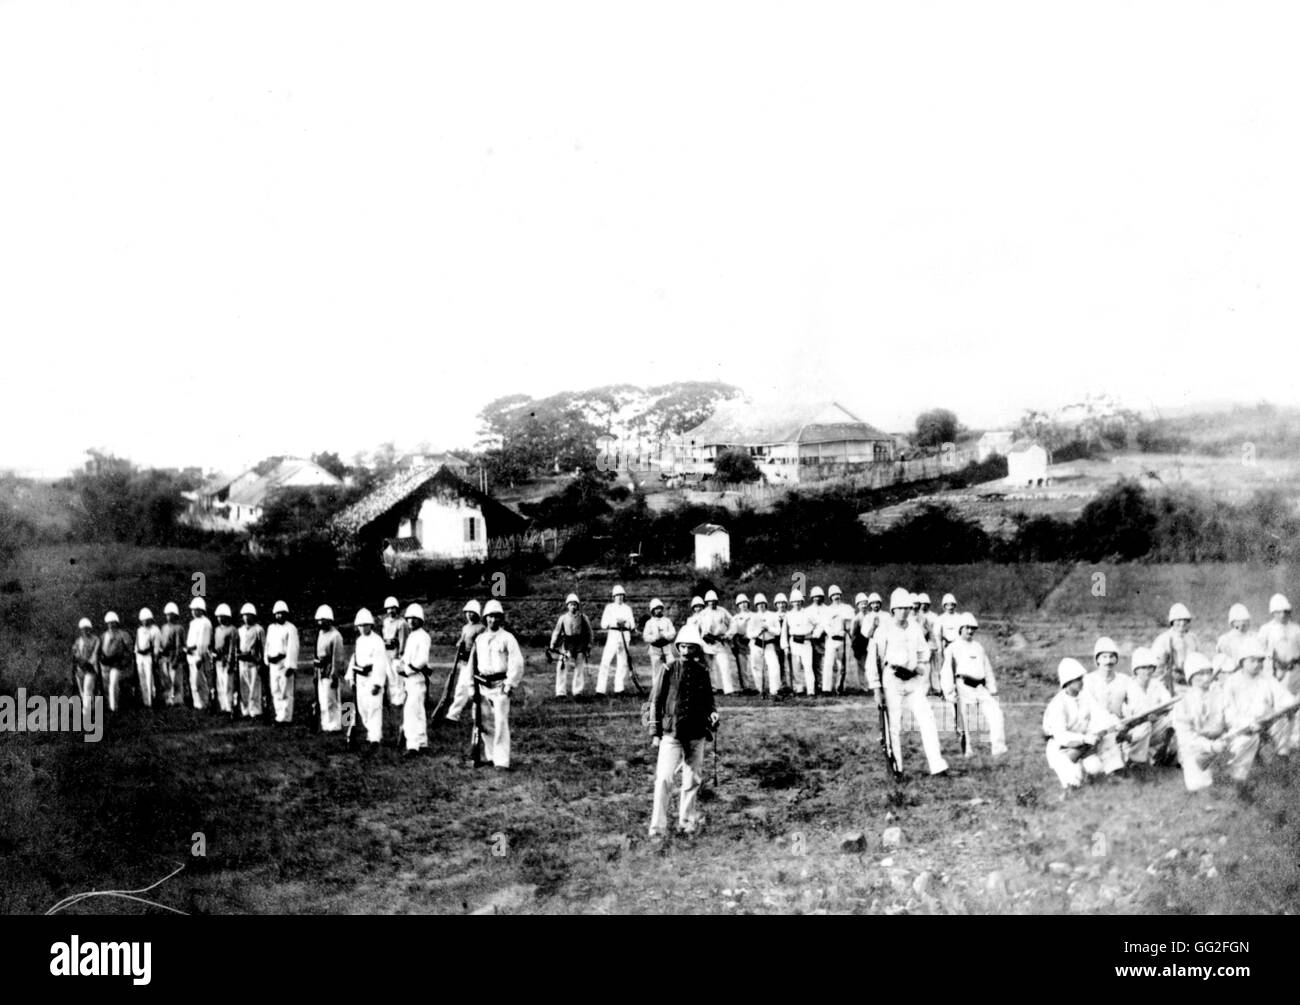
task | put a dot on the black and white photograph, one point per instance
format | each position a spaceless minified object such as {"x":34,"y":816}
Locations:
{"x":577,"y":458}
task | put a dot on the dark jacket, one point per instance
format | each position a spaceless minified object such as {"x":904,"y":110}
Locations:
{"x":683,"y":701}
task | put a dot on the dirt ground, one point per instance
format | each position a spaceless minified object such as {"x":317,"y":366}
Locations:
{"x":294,"y":822}
{"x":795,"y":822}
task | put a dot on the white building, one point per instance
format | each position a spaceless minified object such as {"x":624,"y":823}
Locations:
{"x":428,"y":514}
{"x":712,"y":546}
{"x":1027,"y":463}
{"x":234,"y":504}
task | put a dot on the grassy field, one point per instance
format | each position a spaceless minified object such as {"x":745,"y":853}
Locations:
{"x":296,"y":823}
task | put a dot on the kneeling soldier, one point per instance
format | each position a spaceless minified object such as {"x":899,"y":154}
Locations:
{"x":1249,"y":696}
{"x":1147,"y":742}
{"x":682,"y":723}
{"x":1080,"y":738}
{"x":1199,"y":723}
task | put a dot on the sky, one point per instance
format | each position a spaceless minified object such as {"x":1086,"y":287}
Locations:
{"x":236,"y":229}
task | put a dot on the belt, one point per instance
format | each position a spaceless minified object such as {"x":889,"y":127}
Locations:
{"x":490,"y":679}
{"x":972,"y":681}
{"x":837,"y":638}
{"x":798,"y":638}
{"x":903,"y":673}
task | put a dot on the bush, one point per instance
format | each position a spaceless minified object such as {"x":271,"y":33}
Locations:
{"x":1120,"y":524}
{"x":735,"y":467}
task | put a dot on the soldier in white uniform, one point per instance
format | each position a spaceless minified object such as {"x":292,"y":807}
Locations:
{"x":1172,"y":647}
{"x":764,"y":631}
{"x":867,"y":627}
{"x":948,"y":624}
{"x":198,"y":653}
{"x":464,"y":687}
{"x":1280,"y":637}
{"x":817,"y":611}
{"x":571,"y":643}
{"x":1249,"y":695}
{"x":148,"y":642}
{"x":1105,"y":683}
{"x":250,"y":643}
{"x":748,"y":677}
{"x":834,"y":630}
{"x":929,"y":622}
{"x":658,"y":635}
{"x":498,"y":666}
{"x":282,"y":656}
{"x":85,"y":664}
{"x":414,"y":669}
{"x":225,"y":660}
{"x":800,"y":623}
{"x":1073,"y":724}
{"x":617,"y":620}
{"x":1232,"y":643}
{"x":393,"y":629}
{"x":367,"y":675}
{"x":1199,"y":724}
{"x":904,"y":660}
{"x":783,"y":647}
{"x":1147,"y":742}
{"x":714,"y":624}
{"x":330,"y":665}
{"x":967,"y":674}
{"x":115,"y":660}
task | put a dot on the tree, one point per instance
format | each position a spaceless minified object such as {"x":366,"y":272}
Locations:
{"x":736,"y":466}
{"x":116,"y":501}
{"x":936,"y":427}
{"x":332,"y":463}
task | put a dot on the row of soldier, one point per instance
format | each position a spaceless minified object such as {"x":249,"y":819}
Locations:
{"x":1180,"y":705}
{"x":249,"y":670}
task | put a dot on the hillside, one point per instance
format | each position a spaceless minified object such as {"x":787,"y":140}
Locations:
{"x":1271,"y":431}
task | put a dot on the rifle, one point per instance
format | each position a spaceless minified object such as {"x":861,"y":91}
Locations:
{"x":962,"y":734}
{"x":886,"y":738}
{"x":1263,"y":722}
{"x":1122,"y":729}
{"x":476,"y":732}
{"x":631,"y":667}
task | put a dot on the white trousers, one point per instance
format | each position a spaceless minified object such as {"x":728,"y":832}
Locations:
{"x":833,"y":658}
{"x":415,"y":719}
{"x":979,"y":697}
{"x":578,"y":661}
{"x":113,"y":688}
{"x":1196,"y":755}
{"x":689,"y":758}
{"x":86,"y":680}
{"x":170,"y":681}
{"x":658,"y":660}
{"x":281,"y":692}
{"x":370,"y":705}
{"x":615,"y":655}
{"x":1292,"y":683}
{"x":720,"y":665}
{"x":1137,"y":748}
{"x":496,"y":725}
{"x":913,"y":694}
{"x":766,"y":658}
{"x":199,"y":681}
{"x":144,"y":674}
{"x":250,"y":689}
{"x":1071,"y":764}
{"x":463,"y":693}
{"x":331,"y":709}
{"x":227,"y":686}
{"x":803,"y":672}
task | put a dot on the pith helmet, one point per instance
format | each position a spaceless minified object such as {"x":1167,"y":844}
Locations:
{"x":85,"y":623}
{"x":572,"y":598}
{"x":861,"y":598}
{"x":760,"y":598}
{"x":741,"y":598}
{"x":280,"y":607}
{"x":948,"y":598}
{"x":689,"y":635}
{"x":1238,"y":612}
{"x":817,"y":591}
{"x":796,"y":597}
{"x":967,"y":620}
{"x":198,"y":604}
{"x":223,"y":611}
{"x":780,"y":599}
{"x":146,"y":614}
{"x":1069,"y":670}
{"x":414,"y":611}
{"x":364,"y":617}
{"x":1197,"y":663}
{"x":1105,"y":645}
{"x":110,"y":618}
{"x":1143,"y":657}
{"x":1278,"y":603}
{"x":1179,"y":612}
{"x":656,"y":605}
{"x":472,"y":607}
{"x":711,"y":595}
{"x":493,"y":607}
{"x":899,"y":598}
{"x":1253,"y":650}
{"x":617,"y":592}
{"x":697,"y":602}
{"x":171,"y":608}
{"x":248,"y":609}
{"x":324,"y":613}
{"x":390,"y":602}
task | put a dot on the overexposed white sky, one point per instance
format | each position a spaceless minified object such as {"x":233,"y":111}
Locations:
{"x":241,"y":228}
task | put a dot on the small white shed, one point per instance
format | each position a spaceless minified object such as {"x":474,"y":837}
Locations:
{"x":712,"y":546}
{"x":1027,"y":463}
